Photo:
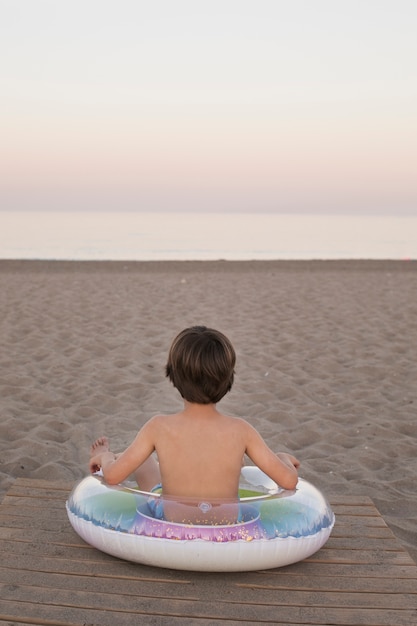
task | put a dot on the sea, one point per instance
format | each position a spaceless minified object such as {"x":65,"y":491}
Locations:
{"x":146,"y":236}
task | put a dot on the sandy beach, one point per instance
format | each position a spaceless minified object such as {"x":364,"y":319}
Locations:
{"x":326,"y":364}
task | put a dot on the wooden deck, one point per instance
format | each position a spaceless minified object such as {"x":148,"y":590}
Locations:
{"x":50,"y":576}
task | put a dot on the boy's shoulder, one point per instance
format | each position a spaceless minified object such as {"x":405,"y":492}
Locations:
{"x":237,"y":422}
{"x":162,"y":418}
{"x":159,"y":417}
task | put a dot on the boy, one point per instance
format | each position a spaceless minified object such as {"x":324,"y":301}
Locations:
{"x":199,"y":449}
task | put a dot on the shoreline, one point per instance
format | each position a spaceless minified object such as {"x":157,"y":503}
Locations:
{"x":209,"y":265}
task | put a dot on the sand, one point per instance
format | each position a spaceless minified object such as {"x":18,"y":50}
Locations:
{"x":326,"y":368}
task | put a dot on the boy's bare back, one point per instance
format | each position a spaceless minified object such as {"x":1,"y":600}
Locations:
{"x":201,"y":438}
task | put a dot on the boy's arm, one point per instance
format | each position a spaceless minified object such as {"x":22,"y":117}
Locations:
{"x":117,"y":468}
{"x":281,"y":467}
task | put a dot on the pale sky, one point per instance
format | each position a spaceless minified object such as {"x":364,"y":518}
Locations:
{"x":254,"y":105}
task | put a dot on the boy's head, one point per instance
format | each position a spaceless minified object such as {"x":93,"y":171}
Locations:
{"x":201,"y":365}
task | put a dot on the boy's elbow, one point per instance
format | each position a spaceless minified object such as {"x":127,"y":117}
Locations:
{"x":112,"y":481}
{"x":290,"y":483}
{"x":111,"y":478}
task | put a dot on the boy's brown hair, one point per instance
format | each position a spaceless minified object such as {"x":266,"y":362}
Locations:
{"x":201,"y":364}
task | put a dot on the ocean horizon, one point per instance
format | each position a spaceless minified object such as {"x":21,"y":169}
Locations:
{"x":146,"y":236}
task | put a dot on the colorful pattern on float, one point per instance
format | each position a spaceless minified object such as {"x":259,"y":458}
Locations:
{"x":274,"y":527}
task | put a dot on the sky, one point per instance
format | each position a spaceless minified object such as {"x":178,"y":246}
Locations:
{"x":223,"y":105}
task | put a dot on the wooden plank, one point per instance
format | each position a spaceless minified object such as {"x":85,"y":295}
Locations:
{"x":226,"y":607}
{"x":44,"y":485}
{"x":174,"y":611}
{"x":48,"y":575}
{"x":295,"y":590}
{"x":355,"y":501}
{"x":139,"y":584}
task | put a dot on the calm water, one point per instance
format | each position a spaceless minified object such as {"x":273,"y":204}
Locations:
{"x":203,"y":236}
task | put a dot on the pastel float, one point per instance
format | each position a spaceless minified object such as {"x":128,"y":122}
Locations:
{"x":270,"y":528}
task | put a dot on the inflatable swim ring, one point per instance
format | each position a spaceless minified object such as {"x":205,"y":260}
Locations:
{"x":267,"y":528}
